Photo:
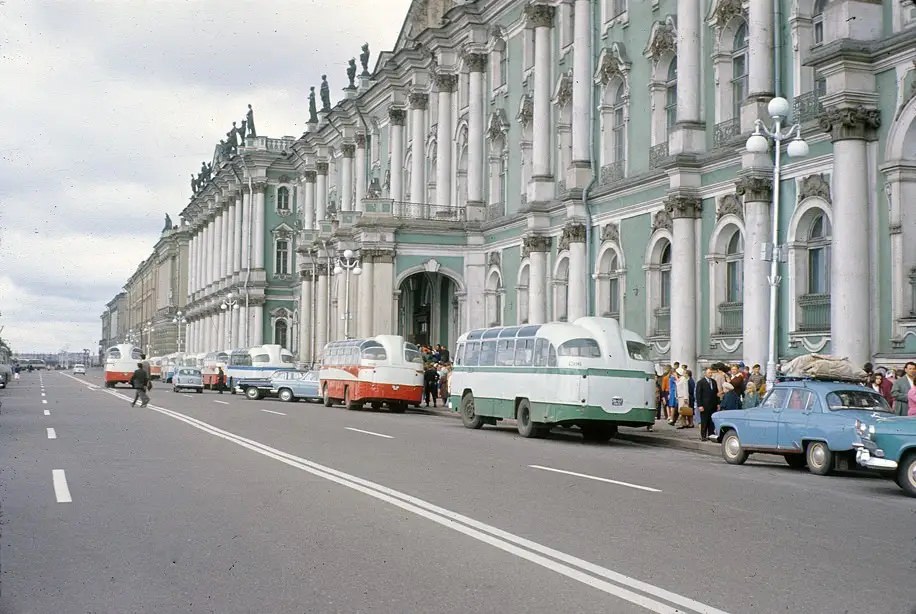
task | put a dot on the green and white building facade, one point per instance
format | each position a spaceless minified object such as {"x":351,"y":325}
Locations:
{"x":513,"y":161}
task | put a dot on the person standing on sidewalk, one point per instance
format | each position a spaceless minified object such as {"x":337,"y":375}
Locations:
{"x":707,"y":394}
{"x":139,"y":381}
{"x":220,"y":379}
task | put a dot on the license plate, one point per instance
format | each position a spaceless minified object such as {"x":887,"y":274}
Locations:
{"x":617,"y":402}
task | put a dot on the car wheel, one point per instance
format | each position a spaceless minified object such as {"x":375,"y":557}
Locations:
{"x":906,"y":474}
{"x":526,"y":427}
{"x":253,"y":393}
{"x":469,"y":417}
{"x":819,"y":457}
{"x":286,"y":395}
{"x":200,"y":391}
{"x":325,"y":398}
{"x":174,"y":388}
{"x":732,"y":451}
{"x":796,"y":461}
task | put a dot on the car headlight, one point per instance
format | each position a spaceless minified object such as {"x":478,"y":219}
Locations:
{"x":871,"y":429}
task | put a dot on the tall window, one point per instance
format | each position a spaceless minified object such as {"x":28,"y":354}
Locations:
{"x":734,"y":269}
{"x":281,"y":333}
{"x":819,"y":256}
{"x":282,"y":259}
{"x":620,"y":128}
{"x":817,"y":21}
{"x":283,"y":199}
{"x":671,"y":95}
{"x":664,"y":273}
{"x":612,"y":301}
{"x":739,"y":70}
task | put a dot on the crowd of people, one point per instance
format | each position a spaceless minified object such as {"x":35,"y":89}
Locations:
{"x":437,"y":368}
{"x":897,"y":386}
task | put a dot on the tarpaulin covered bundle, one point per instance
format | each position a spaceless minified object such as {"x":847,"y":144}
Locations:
{"x":822,"y":366}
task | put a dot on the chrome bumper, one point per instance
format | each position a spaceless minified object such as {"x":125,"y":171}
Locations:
{"x":864,"y":458}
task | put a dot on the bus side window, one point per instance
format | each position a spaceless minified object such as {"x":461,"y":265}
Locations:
{"x":552,"y":357}
{"x":524,"y":352}
{"x":488,"y":353}
{"x":505,"y":352}
{"x":472,"y":354}
{"x":540,"y":353}
{"x":459,"y":355}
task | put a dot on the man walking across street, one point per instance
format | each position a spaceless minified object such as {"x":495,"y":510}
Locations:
{"x":707,"y":397}
{"x":140,"y":380}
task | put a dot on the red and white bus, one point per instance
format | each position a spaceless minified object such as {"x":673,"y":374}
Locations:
{"x":120,"y":362}
{"x":379,"y":370}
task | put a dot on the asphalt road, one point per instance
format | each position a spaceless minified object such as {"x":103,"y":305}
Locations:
{"x":214,"y":503}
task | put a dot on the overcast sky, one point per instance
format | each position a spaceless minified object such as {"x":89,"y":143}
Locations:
{"x":107,"y":109}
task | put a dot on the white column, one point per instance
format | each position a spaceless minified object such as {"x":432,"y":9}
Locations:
{"x":245,"y":231}
{"x":576,"y":283}
{"x":850,"y":263}
{"x":688,"y":63}
{"x":537,"y":278}
{"x":243,"y":325}
{"x":361,"y":174}
{"x":321,"y":311}
{"x":231,"y":247}
{"x":446,"y":84}
{"x":345,"y":187}
{"x":237,"y":234}
{"x":321,"y":191}
{"x":396,"y":129}
{"x":258,"y":220}
{"x":192,"y":251}
{"x":257,"y":325}
{"x":757,"y":196}
{"x":202,"y":259}
{"x":364,"y":315}
{"x":305,"y":317}
{"x":418,"y":105}
{"x":227,"y":240}
{"x":220,"y":330}
{"x":383,"y":295}
{"x":309,"y":212}
{"x":210,"y":253}
{"x":684,"y":211}
{"x":582,"y":83}
{"x":223,"y":236}
{"x":760,"y":48}
{"x":477,"y":64}
{"x":540,"y":17}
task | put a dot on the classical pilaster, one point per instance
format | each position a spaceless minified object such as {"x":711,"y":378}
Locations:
{"x":192,"y":266}
{"x":321,"y":191}
{"x":361,"y":171}
{"x":850,"y":266}
{"x":574,"y":236}
{"x":364,"y":315}
{"x":684,"y":211}
{"x":258,"y":218}
{"x":477,"y":64}
{"x":246,"y":230}
{"x":757,"y":193}
{"x":235,"y":333}
{"x":308,"y":214}
{"x":760,"y":49}
{"x":208,"y":254}
{"x":383,"y":322}
{"x":232,"y":238}
{"x":322,"y":305}
{"x":446,"y":85}
{"x":537,"y":247}
{"x":418,"y":105}
{"x":223,"y":244}
{"x":580,"y":172}
{"x":688,"y":136}
{"x":306,"y":314}
{"x":346,"y":176}
{"x":540,"y":17}
{"x":396,"y":118}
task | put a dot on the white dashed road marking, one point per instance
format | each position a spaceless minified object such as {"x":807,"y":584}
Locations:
{"x":596,"y":478}
{"x":61,"y":490}
{"x":350,"y":428}
{"x":220,"y":402}
{"x":52,"y":434}
{"x":279,"y":413}
{"x":47,"y":412}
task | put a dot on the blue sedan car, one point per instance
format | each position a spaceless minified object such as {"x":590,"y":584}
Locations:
{"x":295,"y":385}
{"x":188,"y":378}
{"x":809,"y":422}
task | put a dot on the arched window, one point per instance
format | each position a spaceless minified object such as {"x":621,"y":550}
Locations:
{"x":494,"y":299}
{"x":561,"y":291}
{"x":281,"y":333}
{"x":283,"y":199}
{"x":671,"y":95}
{"x":281,"y":263}
{"x":609,"y":285}
{"x":664,"y":269}
{"x":817,"y":21}
{"x":619,"y":126}
{"x":734,"y":269}
{"x":522,"y":294}
{"x":739,"y":70}
{"x":819,"y":256}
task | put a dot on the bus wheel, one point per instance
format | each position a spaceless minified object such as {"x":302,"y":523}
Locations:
{"x":598,"y":433}
{"x":468,"y":416}
{"x":325,"y":398}
{"x":526,"y":427}
{"x":376,"y":405}
{"x":397,"y":407}
{"x":351,"y":405}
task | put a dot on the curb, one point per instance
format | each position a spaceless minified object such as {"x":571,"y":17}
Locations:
{"x":700,"y":447}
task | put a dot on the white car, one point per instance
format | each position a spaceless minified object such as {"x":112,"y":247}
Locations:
{"x":79,"y":369}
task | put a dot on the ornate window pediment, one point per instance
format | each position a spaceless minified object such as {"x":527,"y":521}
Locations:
{"x":729,"y":205}
{"x":721,"y":12}
{"x":563,"y":92}
{"x":283,"y":231}
{"x":662,"y":39}
{"x":815,"y":185}
{"x":613,"y":62}
{"x":610,"y":232}
{"x":662,"y":220}
{"x":498,"y":126}
{"x":525,"y":109}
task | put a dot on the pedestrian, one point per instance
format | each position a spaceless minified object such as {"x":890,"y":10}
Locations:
{"x":756,"y":376}
{"x":445,"y":356}
{"x":139,"y":381}
{"x":430,"y":383}
{"x":220,"y":379}
{"x":682,"y":388}
{"x":902,"y":387}
{"x":149,"y":374}
{"x":672,"y":394}
{"x":751,"y":398}
{"x":737,"y":380}
{"x":707,"y":401}
{"x":692,"y":403}
{"x":730,"y":400}
{"x":911,"y":401}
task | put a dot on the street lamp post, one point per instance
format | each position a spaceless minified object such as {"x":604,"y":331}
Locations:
{"x":180,"y":320}
{"x":229,"y":304}
{"x":759,"y":143}
{"x":148,"y":330}
{"x":346,"y":264}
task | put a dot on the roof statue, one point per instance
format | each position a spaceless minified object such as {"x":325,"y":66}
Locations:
{"x":364,"y":60}
{"x":168,"y":223}
{"x":325,"y":95}
{"x":249,"y":117}
{"x":351,"y":74}
{"x":313,"y":111}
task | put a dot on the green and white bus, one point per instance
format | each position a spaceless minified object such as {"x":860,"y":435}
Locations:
{"x":590,"y":373}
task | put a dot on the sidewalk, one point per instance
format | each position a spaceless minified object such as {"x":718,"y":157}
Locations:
{"x":663,"y":435}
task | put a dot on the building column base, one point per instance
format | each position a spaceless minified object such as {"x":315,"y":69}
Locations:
{"x":754,"y":108}
{"x":541,"y":189}
{"x":687,"y":137}
{"x":475,"y":211}
{"x":578,"y":175}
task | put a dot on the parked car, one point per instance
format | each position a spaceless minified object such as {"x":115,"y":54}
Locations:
{"x":809,"y":422}
{"x":254,"y":388}
{"x":79,"y":369}
{"x":295,"y":385}
{"x":188,"y":378}
{"x":888,"y":445}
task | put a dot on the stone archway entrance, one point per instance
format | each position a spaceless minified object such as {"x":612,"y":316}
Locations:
{"x":428,"y":310}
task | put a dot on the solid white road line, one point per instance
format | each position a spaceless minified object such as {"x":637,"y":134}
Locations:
{"x":44,"y":401}
{"x":221,"y":402}
{"x":601,"y":578}
{"x":594,"y":477}
{"x":350,"y":428}
{"x":52,"y":434}
{"x":61,"y":490}
{"x":279,"y":413}
{"x":190,"y":396}
{"x":47,"y":412}
{"x":42,"y":394}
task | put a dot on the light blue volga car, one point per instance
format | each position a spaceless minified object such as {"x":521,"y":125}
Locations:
{"x":188,"y":378}
{"x":295,"y":385}
{"x":809,"y":422}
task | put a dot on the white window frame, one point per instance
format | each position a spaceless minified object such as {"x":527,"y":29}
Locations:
{"x":277,"y":253}
{"x":739,"y":84}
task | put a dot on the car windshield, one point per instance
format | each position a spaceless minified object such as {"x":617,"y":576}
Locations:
{"x":311,"y":376}
{"x":857,"y":399}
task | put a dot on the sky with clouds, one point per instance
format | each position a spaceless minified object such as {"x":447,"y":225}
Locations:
{"x":108,"y":108}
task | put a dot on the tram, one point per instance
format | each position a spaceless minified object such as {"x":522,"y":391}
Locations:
{"x":120,"y":363}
